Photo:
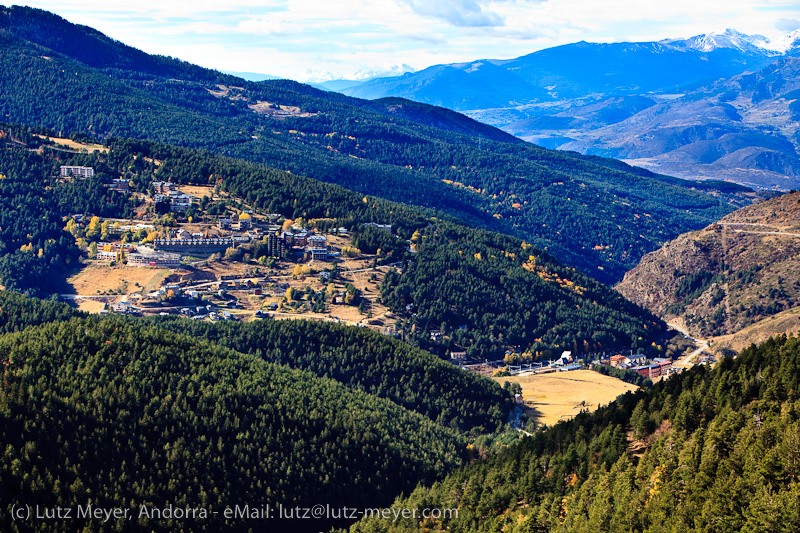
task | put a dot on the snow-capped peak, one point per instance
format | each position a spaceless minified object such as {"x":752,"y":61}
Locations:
{"x":315,"y":76}
{"x":730,"y":38}
{"x":727,"y":38}
{"x":787,"y":43}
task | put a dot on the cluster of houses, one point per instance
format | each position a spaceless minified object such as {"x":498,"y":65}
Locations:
{"x":181,"y":241}
{"x":109,"y":251}
{"x":143,"y":257}
{"x":164,"y":187}
{"x":168,"y":199}
{"x":649,"y":368}
{"x":565,"y":363}
{"x":199,"y":312}
{"x":254,"y":286}
{"x":119,"y":229}
{"x":155,"y":259}
{"x":71,"y":171}
{"x":166,"y":252}
{"x":243,"y":222}
{"x":314,"y":244}
{"x":175,"y":202}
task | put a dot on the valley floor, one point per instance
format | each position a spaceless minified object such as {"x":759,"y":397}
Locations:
{"x":550,"y":398}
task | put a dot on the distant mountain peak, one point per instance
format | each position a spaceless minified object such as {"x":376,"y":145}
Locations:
{"x":361,"y":75}
{"x":789,"y":43}
{"x":727,"y":38}
{"x":733,"y":39}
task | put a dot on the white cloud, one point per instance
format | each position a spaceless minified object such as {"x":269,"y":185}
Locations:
{"x":461,"y":13}
{"x":428,"y":38}
{"x":263,"y":26}
{"x":788,"y":25}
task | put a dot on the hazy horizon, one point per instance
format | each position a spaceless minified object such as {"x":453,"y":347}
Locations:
{"x":317,"y":41}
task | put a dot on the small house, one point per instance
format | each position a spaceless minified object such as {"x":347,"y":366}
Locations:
{"x":458,"y":356}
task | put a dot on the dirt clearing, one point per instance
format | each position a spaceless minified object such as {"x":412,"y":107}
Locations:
{"x":91,"y":306}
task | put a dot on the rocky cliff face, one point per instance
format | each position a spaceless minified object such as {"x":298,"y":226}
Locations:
{"x":732,"y":274}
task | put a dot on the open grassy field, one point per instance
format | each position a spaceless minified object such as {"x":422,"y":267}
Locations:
{"x":91,"y":306}
{"x":69,"y":143}
{"x":561,"y":395}
{"x":197,"y":190}
{"x":100,"y":278}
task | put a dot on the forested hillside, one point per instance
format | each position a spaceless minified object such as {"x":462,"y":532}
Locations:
{"x":116,"y":413}
{"x":18,"y":312}
{"x":707,"y":450}
{"x":72,"y":78}
{"x":488,"y":292}
{"x":35,"y":251}
{"x":367,"y":361}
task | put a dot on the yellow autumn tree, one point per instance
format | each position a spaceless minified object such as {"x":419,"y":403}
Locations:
{"x":297,"y":272}
{"x":105,"y":230}
{"x":93,"y":230}
{"x":74,"y":228}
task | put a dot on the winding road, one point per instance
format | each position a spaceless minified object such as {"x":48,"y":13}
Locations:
{"x":686,"y":361}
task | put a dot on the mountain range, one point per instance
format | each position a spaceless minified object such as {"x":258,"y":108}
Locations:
{"x":581,"y":69}
{"x":74,"y":79}
{"x":668,"y":106}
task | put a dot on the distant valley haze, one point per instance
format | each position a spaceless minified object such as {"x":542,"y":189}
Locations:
{"x":722,"y":105}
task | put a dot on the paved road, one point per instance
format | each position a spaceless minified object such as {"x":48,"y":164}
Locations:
{"x":686,"y":360}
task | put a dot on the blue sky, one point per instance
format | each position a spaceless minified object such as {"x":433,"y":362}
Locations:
{"x":315,"y":40}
